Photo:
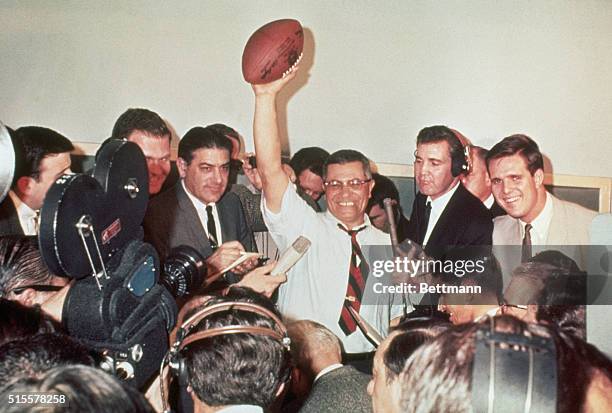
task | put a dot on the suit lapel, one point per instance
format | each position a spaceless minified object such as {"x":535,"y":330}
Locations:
{"x":557,"y":230}
{"x":224,"y":218}
{"x":191,"y":222}
{"x":447,"y":218}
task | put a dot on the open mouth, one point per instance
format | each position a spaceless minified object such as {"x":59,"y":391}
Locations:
{"x":511,"y":200}
{"x":346,"y":203}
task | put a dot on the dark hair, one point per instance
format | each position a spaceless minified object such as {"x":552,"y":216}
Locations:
{"x":140,"y":119}
{"x":383,"y":188}
{"x":31,"y":356}
{"x":344,"y":156}
{"x":33,"y":144}
{"x":21,"y":263}
{"x":439,"y":133}
{"x":521,"y":145}
{"x":311,"y":158}
{"x":438,"y":375}
{"x":17,"y":321}
{"x":479,"y":152}
{"x":490,"y":279}
{"x":411,"y":334}
{"x":237,"y":368}
{"x":199,"y":138}
{"x":85,"y":388}
{"x":224,"y":130}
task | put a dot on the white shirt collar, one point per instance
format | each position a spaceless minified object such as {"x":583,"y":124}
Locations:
{"x":366,"y":221}
{"x":27,"y":216}
{"x":241,"y":408}
{"x":541,"y":223}
{"x":437,"y":207}
{"x":327,"y":370}
{"x":489,"y":201}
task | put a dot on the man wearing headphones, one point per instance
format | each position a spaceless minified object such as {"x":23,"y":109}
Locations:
{"x":444,"y":213}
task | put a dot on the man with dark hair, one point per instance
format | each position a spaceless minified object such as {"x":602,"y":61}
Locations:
{"x":149,"y":131}
{"x":32,"y":356}
{"x":197,"y":211}
{"x":385,"y":386}
{"x":535,"y":216}
{"x":331,"y":387}
{"x":385,"y":188}
{"x":307,"y":164}
{"x":478,"y":182}
{"x":444,"y":213}
{"x":251,"y":371}
{"x":441,"y":375}
{"x":24,"y":277}
{"x":333,"y":275}
{"x":42,"y":156}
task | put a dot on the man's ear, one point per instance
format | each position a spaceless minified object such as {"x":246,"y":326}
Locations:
{"x":539,"y":178}
{"x":24,"y":185}
{"x":27,"y":298}
{"x":181,"y":165}
{"x":371,"y":183}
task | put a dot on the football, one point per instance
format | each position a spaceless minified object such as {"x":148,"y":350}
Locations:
{"x":272,"y":51}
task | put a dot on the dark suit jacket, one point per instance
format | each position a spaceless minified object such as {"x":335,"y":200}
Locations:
{"x":172,"y":220}
{"x":9,"y":221}
{"x":343,"y":390}
{"x":496,"y":210}
{"x":464,"y":221}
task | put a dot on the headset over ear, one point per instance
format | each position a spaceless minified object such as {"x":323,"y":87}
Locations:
{"x":175,"y":361}
{"x":460,"y":155}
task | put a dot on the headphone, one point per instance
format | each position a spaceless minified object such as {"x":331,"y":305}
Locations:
{"x":461,"y":161}
{"x":513,"y":372}
{"x":174,"y":362}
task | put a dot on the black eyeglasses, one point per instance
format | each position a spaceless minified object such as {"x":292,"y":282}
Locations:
{"x":35,"y":287}
{"x":354,"y":184}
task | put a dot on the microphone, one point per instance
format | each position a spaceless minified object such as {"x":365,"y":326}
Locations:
{"x":291,"y":255}
{"x":388,"y":203}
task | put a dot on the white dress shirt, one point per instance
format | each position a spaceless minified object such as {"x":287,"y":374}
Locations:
{"x":201,"y":210}
{"x":540,"y":225}
{"x":27,"y":216}
{"x":437,"y":207}
{"x":489,"y":201}
{"x":316,"y":286}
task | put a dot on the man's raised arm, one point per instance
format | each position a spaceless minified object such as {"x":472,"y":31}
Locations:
{"x":268,"y":144}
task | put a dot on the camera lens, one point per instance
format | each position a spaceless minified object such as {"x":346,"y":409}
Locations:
{"x":184,"y":271}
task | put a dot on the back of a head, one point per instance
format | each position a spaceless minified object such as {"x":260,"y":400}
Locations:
{"x":21,"y":264}
{"x":77,"y":389}
{"x":313,"y":344}
{"x":242,"y":368}
{"x":34,"y":143}
{"x":439,"y":376}
{"x":17,"y":321}
{"x":34,"y":355}
{"x":311,"y":158}
{"x":140,"y":119}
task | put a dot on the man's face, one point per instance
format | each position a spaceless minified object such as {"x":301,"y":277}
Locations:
{"x":311,"y":183}
{"x":378,"y":218}
{"x":207,"y":174}
{"x":477,"y":181}
{"x":514,"y":188}
{"x":348,"y":203}
{"x":51,"y":167}
{"x":432,"y":169}
{"x":458,"y":313}
{"x":156,"y":150}
{"x":384,"y":394}
{"x":33,"y":296}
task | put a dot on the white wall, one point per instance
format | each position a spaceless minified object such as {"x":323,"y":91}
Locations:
{"x":376,"y":72}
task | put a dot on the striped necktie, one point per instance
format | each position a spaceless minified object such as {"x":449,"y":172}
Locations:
{"x":358,"y":275}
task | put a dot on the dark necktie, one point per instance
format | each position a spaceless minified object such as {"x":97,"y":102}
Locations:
{"x":358,"y":274}
{"x":526,"y":250}
{"x":424,"y":222}
{"x":210,"y":225}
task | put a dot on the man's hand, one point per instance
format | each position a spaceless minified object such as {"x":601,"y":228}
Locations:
{"x":261,"y":281}
{"x":227,"y":253}
{"x":246,"y":266}
{"x":273,"y":88}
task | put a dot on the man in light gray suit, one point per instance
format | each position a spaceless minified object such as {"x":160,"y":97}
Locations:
{"x":535,"y":217}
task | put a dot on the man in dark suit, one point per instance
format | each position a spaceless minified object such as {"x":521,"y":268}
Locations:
{"x":318,"y":373}
{"x":41,"y":156}
{"x":197,"y":211}
{"x":478,"y":181}
{"x":444,"y":213}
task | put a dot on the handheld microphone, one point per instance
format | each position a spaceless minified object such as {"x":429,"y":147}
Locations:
{"x":388,"y":203}
{"x":291,"y":255}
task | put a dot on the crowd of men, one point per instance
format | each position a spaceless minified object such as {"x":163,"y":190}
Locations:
{"x":293,"y":342}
